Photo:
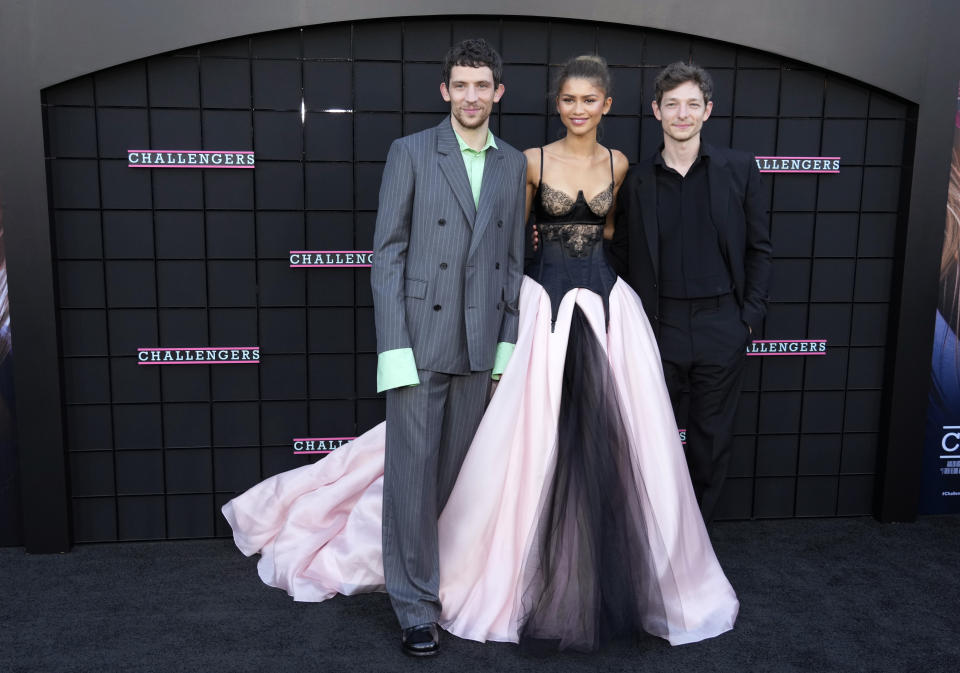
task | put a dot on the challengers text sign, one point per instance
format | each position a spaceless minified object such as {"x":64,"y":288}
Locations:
{"x":220,"y":355}
{"x":798,"y":164}
{"x":304,"y":259}
{"x":189,"y":159}
{"x":787,"y":347}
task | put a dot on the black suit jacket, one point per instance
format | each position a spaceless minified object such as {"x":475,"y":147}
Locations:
{"x":739,"y":206}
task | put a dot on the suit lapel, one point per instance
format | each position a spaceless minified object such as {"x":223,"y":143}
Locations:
{"x":648,"y":214}
{"x":489,"y":190}
{"x":451,"y":164}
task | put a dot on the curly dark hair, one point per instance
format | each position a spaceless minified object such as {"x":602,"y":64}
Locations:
{"x":473,"y":53}
{"x":679,"y":73}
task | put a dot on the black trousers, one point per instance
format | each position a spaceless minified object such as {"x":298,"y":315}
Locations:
{"x":702,"y":344}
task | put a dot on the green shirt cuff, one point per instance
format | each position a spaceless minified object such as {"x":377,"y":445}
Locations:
{"x":396,"y":369}
{"x":504,"y":351}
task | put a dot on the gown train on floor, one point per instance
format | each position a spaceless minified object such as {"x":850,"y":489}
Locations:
{"x":507,"y":540}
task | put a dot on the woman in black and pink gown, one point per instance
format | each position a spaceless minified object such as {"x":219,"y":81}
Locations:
{"x":573,"y":517}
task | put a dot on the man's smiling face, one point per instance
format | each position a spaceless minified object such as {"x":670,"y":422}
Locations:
{"x":471,"y":94}
{"x":682,"y":111}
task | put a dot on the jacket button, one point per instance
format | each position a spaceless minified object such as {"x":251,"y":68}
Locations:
{"x":500,"y":223}
{"x":436,"y":307}
{"x":443,"y":265}
{"x":497,"y":265}
{"x":441,"y":221}
{"x":654,"y":286}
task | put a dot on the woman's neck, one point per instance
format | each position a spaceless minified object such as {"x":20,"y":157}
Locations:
{"x":584,"y":146}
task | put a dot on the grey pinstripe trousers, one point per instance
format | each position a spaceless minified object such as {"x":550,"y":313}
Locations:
{"x":429,"y":429}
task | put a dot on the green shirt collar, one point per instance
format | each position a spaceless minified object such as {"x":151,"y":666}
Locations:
{"x":464,"y":147}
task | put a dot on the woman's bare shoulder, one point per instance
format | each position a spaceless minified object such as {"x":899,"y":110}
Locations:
{"x":533,"y":165}
{"x":620,"y":165}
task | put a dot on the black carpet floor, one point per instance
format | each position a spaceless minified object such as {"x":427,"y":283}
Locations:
{"x":816,"y":595}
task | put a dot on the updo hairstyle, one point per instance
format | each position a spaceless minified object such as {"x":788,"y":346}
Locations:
{"x":590,"y":67}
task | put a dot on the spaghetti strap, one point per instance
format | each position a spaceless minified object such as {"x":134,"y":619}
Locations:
{"x":612,"y":176}
{"x":541,"y":168}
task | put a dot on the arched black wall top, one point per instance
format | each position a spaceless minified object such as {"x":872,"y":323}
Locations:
{"x":853,"y":38}
{"x":907,"y":49}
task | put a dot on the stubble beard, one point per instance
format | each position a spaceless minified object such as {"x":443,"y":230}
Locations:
{"x":475,"y":123}
{"x":696,"y":126}
{"x":690,"y":135}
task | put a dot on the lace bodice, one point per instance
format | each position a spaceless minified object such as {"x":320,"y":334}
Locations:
{"x":577,"y":238}
{"x":571,"y":241}
{"x":557,"y":202}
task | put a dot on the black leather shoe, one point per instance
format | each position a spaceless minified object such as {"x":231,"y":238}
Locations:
{"x":422,"y":640}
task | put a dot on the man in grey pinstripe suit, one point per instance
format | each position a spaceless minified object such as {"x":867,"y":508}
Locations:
{"x":448,"y":259}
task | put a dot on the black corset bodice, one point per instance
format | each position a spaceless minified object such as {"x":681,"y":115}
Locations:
{"x":576,"y":224}
{"x":571,"y":254}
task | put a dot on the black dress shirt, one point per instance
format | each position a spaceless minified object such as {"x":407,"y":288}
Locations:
{"x":691,"y":262}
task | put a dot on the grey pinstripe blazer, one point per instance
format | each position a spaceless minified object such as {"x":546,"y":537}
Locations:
{"x":446,"y":274}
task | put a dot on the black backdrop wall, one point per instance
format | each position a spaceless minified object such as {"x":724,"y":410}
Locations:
{"x":158,"y":257}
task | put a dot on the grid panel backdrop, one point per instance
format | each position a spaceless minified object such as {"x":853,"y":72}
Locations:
{"x":154,"y":257}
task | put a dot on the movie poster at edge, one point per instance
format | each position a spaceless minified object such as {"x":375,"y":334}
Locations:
{"x":9,"y":486}
{"x":941,"y":456}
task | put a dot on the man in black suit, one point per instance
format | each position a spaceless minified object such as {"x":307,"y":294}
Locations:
{"x":692,"y":237}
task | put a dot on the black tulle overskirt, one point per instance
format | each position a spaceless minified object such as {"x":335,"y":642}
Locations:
{"x":589,"y":576}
